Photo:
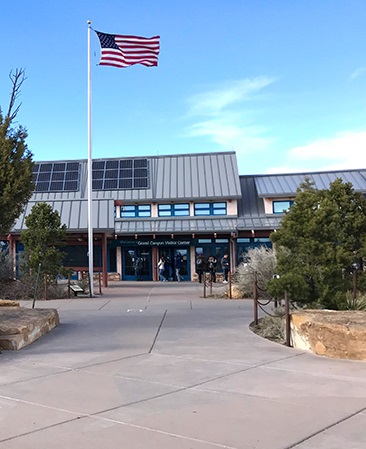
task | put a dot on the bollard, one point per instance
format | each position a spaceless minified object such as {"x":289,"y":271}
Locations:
{"x":255,"y":298}
{"x":230,"y":290}
{"x":287,"y":322}
{"x":100,"y":282}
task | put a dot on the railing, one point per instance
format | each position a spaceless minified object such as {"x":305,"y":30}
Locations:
{"x":259,"y":305}
{"x":208,"y":284}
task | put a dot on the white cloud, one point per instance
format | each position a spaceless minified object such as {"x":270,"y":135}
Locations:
{"x":346,"y":150}
{"x":213,"y":102}
{"x":225,"y":116}
{"x":358,"y":72}
{"x":230,"y":135}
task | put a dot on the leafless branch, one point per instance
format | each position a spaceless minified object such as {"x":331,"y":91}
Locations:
{"x":17,"y":79}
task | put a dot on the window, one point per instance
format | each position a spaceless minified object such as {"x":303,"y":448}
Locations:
{"x":213,"y":249}
{"x":173,"y":210}
{"x":205,"y":209}
{"x":281,"y":206}
{"x":262,"y":240}
{"x":132,"y":211}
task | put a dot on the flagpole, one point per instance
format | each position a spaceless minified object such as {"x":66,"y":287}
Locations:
{"x":90,"y":190}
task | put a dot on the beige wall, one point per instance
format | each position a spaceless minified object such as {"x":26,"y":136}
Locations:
{"x":192,"y":251}
{"x":268,"y":205}
{"x":232,"y":207}
{"x":154,"y":210}
{"x":119,"y":259}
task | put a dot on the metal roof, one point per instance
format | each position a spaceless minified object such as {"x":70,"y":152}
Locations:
{"x":249,"y":204}
{"x":268,"y":222}
{"x":186,"y":225}
{"x":184,"y":176}
{"x":286,"y":185}
{"x":75,"y":215}
{"x":210,"y":176}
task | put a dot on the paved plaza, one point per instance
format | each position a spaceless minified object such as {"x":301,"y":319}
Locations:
{"x":155,"y":365}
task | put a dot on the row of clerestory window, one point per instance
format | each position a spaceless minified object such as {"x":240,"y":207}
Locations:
{"x":173,"y":210}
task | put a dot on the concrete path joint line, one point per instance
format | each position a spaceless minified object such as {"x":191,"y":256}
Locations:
{"x":327,"y":428}
{"x":158,"y":331}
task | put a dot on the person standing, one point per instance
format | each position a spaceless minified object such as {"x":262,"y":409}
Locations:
{"x":138,"y":268}
{"x":212,"y":264}
{"x":225,"y":265}
{"x":200,"y":266}
{"x":168,"y":269}
{"x":161,"y":268}
{"x":178,"y":266}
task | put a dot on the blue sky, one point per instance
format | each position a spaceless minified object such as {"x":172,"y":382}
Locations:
{"x":281,"y":82}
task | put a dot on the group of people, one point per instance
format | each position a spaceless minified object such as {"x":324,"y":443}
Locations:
{"x":203,"y":265}
{"x":166,"y":270}
{"x":209,"y":265}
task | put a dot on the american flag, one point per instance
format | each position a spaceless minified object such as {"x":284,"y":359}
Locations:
{"x":123,"y":51}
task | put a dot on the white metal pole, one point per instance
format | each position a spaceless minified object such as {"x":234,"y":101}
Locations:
{"x":90,"y":190}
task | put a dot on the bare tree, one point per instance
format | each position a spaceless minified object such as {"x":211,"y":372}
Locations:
{"x":17,"y":79}
{"x":16,"y":177}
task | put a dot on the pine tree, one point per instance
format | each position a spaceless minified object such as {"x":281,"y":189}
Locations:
{"x":16,"y":177}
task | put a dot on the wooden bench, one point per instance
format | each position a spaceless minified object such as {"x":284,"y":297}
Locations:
{"x":76,"y":289}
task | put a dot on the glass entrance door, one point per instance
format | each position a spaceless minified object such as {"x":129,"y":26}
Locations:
{"x":170,"y":254}
{"x":129,"y":256}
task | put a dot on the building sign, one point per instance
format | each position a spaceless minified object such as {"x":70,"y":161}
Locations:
{"x":157,"y":243}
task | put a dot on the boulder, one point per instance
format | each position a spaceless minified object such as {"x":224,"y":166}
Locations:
{"x":9,"y":303}
{"x":336,"y":334}
{"x":21,"y":326}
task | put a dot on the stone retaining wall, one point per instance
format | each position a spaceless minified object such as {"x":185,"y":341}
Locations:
{"x":20,"y":326}
{"x":337,"y":334}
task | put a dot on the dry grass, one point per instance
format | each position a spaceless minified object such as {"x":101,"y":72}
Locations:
{"x":272,"y":328}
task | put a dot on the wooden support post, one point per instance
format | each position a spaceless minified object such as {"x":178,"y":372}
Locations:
{"x":104,"y":261}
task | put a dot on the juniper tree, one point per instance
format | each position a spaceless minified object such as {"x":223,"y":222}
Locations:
{"x":322,"y":239}
{"x":42,"y":240}
{"x":16,"y":178}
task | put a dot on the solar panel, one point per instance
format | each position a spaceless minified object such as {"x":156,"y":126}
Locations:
{"x":56,"y":176}
{"x":106,"y":175}
{"x":121,"y":174}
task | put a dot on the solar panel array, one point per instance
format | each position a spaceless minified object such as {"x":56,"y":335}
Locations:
{"x":121,"y":174}
{"x":56,"y":176}
{"x":107,"y":175}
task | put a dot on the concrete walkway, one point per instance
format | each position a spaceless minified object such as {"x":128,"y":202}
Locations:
{"x":154,"y":365}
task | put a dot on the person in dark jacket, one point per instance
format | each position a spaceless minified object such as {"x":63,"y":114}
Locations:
{"x":212,"y":264}
{"x":200,"y":266}
{"x":178,"y":265}
{"x":138,"y":268}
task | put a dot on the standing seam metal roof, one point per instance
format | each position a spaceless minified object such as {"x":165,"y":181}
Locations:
{"x":185,"y":225}
{"x":201,"y":176}
{"x":75,"y":215}
{"x":270,"y":186}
